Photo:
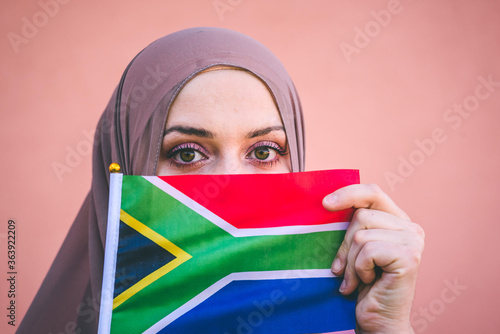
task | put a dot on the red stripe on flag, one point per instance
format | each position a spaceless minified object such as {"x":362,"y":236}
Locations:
{"x":267,"y":200}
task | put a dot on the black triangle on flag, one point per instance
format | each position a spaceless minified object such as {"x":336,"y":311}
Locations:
{"x":138,"y":256}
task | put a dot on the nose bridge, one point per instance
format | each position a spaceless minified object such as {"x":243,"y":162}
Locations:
{"x":228,"y":165}
{"x":229,"y":162}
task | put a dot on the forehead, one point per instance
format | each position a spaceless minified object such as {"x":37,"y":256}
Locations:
{"x":234,"y":99}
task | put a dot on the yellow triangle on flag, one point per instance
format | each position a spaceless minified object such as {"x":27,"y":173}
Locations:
{"x":180,"y":257}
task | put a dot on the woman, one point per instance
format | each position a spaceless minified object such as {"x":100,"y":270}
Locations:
{"x":210,"y":100}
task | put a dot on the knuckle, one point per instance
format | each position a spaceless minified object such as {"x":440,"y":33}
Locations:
{"x":421,"y":245}
{"x":410,"y":262}
{"x":418,"y":230}
{"x":359,"y":266}
{"x":414,"y":256}
{"x":375,"y":189}
{"x":361,"y":214}
{"x":421,"y":231}
{"x":370,"y":248}
{"x":358,"y":237}
{"x":355,"y":216}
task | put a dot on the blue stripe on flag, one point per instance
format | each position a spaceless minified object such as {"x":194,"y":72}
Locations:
{"x":309,"y":305}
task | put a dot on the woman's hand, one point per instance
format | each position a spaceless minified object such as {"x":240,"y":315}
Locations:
{"x":380,"y":255}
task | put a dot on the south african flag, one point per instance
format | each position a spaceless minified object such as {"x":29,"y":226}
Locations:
{"x":228,"y":254}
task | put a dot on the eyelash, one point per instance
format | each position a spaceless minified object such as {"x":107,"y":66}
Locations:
{"x":193,"y":146}
{"x":272,"y":145}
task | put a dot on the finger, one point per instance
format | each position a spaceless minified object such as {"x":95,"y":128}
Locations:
{"x":352,"y":275}
{"x":338,"y":264}
{"x":391,"y":257}
{"x":364,"y":219}
{"x":374,"y":254}
{"x":368,"y":196}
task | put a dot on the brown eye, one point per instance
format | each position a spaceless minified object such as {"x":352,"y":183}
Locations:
{"x":262,"y":153}
{"x":187,"y":155}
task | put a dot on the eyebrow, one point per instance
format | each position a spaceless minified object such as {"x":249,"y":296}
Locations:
{"x":188,"y":130}
{"x":265,"y":131}
{"x":200,"y":132}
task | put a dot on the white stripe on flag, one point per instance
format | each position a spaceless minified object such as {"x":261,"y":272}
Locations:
{"x":241,"y":276}
{"x":110,"y":253}
{"x":244,"y":232}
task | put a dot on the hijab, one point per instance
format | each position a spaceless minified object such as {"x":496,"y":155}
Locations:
{"x":130,"y":132}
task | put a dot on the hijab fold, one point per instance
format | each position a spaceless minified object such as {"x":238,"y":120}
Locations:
{"x":130,"y":132}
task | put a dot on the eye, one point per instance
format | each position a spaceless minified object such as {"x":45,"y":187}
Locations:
{"x":263,"y":153}
{"x":187,"y":154}
{"x":266,"y":153}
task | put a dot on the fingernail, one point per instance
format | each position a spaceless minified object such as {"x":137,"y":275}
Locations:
{"x":336,"y":265}
{"x":331,"y":199}
{"x":342,"y":286}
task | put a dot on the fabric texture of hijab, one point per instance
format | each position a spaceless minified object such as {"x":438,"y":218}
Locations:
{"x":130,"y":133}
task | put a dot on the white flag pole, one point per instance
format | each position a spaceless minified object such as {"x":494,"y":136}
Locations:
{"x":111,"y":248}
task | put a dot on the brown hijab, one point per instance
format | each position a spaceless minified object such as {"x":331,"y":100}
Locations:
{"x":130,"y":132}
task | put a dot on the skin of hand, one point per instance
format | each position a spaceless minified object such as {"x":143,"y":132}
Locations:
{"x":380,"y":256}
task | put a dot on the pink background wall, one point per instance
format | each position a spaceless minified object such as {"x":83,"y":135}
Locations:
{"x":365,"y":109}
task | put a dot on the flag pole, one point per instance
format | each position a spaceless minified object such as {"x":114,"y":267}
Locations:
{"x":111,"y":248}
